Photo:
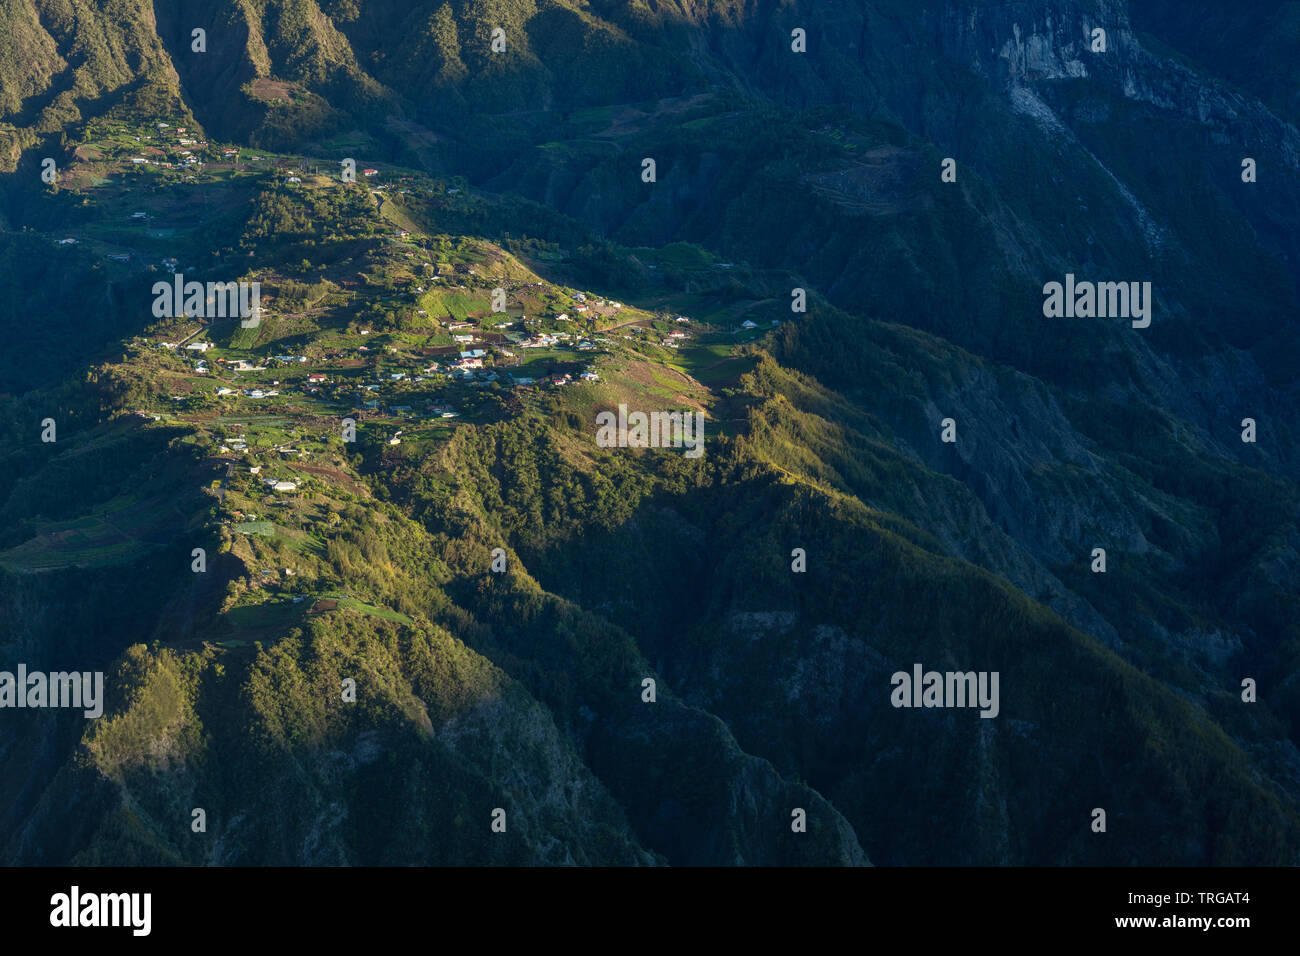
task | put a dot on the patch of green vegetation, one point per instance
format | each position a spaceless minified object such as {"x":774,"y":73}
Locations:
{"x":264,"y":528}
{"x":268,"y":614}
{"x":383,"y":613}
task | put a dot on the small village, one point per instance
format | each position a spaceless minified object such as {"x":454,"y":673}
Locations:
{"x":375,"y":359}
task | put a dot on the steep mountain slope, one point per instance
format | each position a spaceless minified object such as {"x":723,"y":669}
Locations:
{"x":776,"y":170}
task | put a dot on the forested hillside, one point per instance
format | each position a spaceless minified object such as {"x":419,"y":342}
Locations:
{"x":362,"y":573}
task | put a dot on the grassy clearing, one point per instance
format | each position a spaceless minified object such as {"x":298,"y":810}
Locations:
{"x":269,"y":614}
{"x":459,"y":306}
{"x":384,"y":613}
{"x":264,"y":528}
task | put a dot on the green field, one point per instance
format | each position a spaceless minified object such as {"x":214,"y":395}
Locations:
{"x":387,"y":614}
{"x":115,"y":534}
{"x":264,"y":528}
{"x":267,"y":614}
{"x":460,"y":306}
